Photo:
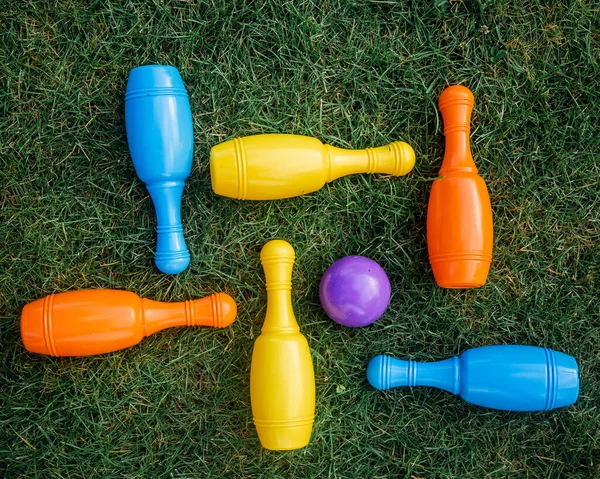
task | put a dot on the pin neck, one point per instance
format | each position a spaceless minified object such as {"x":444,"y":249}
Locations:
{"x":457,"y":157}
{"x":280,"y":316}
{"x":456,"y":105}
{"x":157,"y":315}
{"x":277,"y":258}
{"x":390,"y":159}
{"x":341,"y":162}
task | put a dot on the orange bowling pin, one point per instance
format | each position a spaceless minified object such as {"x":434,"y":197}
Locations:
{"x":282,"y":381}
{"x":86,"y":322}
{"x":459,"y":216}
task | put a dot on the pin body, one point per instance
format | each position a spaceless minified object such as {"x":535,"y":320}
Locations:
{"x":160,"y":136}
{"x":507,"y":377}
{"x":87,"y":322}
{"x":282,"y":382}
{"x":459,"y":215}
{"x":269,"y":167}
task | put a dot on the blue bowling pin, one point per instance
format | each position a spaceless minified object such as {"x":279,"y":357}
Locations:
{"x":507,"y":377}
{"x":160,"y":135}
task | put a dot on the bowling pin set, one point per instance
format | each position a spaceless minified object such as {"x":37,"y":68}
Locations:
{"x":354,"y":291}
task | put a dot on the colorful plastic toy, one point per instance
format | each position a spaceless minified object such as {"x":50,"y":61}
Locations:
{"x":270,"y":167}
{"x":355,"y":291}
{"x":459,"y":216}
{"x":512,"y":378}
{"x":282,"y":382}
{"x":161,"y":141}
{"x":86,"y":322}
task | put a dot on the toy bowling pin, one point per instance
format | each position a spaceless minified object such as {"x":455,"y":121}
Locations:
{"x":459,"y":216}
{"x":86,"y":322}
{"x":508,"y":377}
{"x":158,"y":121}
{"x":282,"y":382}
{"x":270,"y":167}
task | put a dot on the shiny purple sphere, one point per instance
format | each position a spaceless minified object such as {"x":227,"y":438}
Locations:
{"x":355,"y":291}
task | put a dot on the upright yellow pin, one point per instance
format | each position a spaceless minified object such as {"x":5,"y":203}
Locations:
{"x":282,"y":380}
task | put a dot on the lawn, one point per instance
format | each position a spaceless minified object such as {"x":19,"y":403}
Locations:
{"x":353,"y":74}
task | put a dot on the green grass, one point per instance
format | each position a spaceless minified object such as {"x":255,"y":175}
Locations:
{"x":354,"y":74}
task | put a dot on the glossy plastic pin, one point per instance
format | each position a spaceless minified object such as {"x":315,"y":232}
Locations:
{"x":507,"y":377}
{"x":270,"y":167}
{"x":459,"y":216}
{"x":282,"y":380}
{"x":87,"y":322}
{"x":158,"y":121}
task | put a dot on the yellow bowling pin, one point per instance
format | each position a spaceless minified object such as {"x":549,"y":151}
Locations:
{"x":282,"y":380}
{"x":270,"y":167}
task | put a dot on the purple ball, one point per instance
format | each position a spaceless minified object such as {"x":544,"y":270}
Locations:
{"x":355,"y":291}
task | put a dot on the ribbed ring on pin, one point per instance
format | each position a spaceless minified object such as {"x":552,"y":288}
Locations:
{"x":278,"y":423}
{"x":551,"y":388}
{"x":462,"y":256}
{"x":459,"y":127}
{"x":48,"y":330}
{"x":217,"y":310}
{"x":240,"y":164}
{"x":411,"y":373}
{"x":169,"y":255}
{"x":399,"y":158}
{"x":371,"y":160}
{"x":279,"y":285}
{"x":278,"y":258}
{"x":169,"y":228}
{"x":149,"y":92}
{"x":465,"y":100}
{"x":189,"y":313}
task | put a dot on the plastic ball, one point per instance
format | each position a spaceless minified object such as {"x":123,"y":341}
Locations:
{"x":355,"y":291}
